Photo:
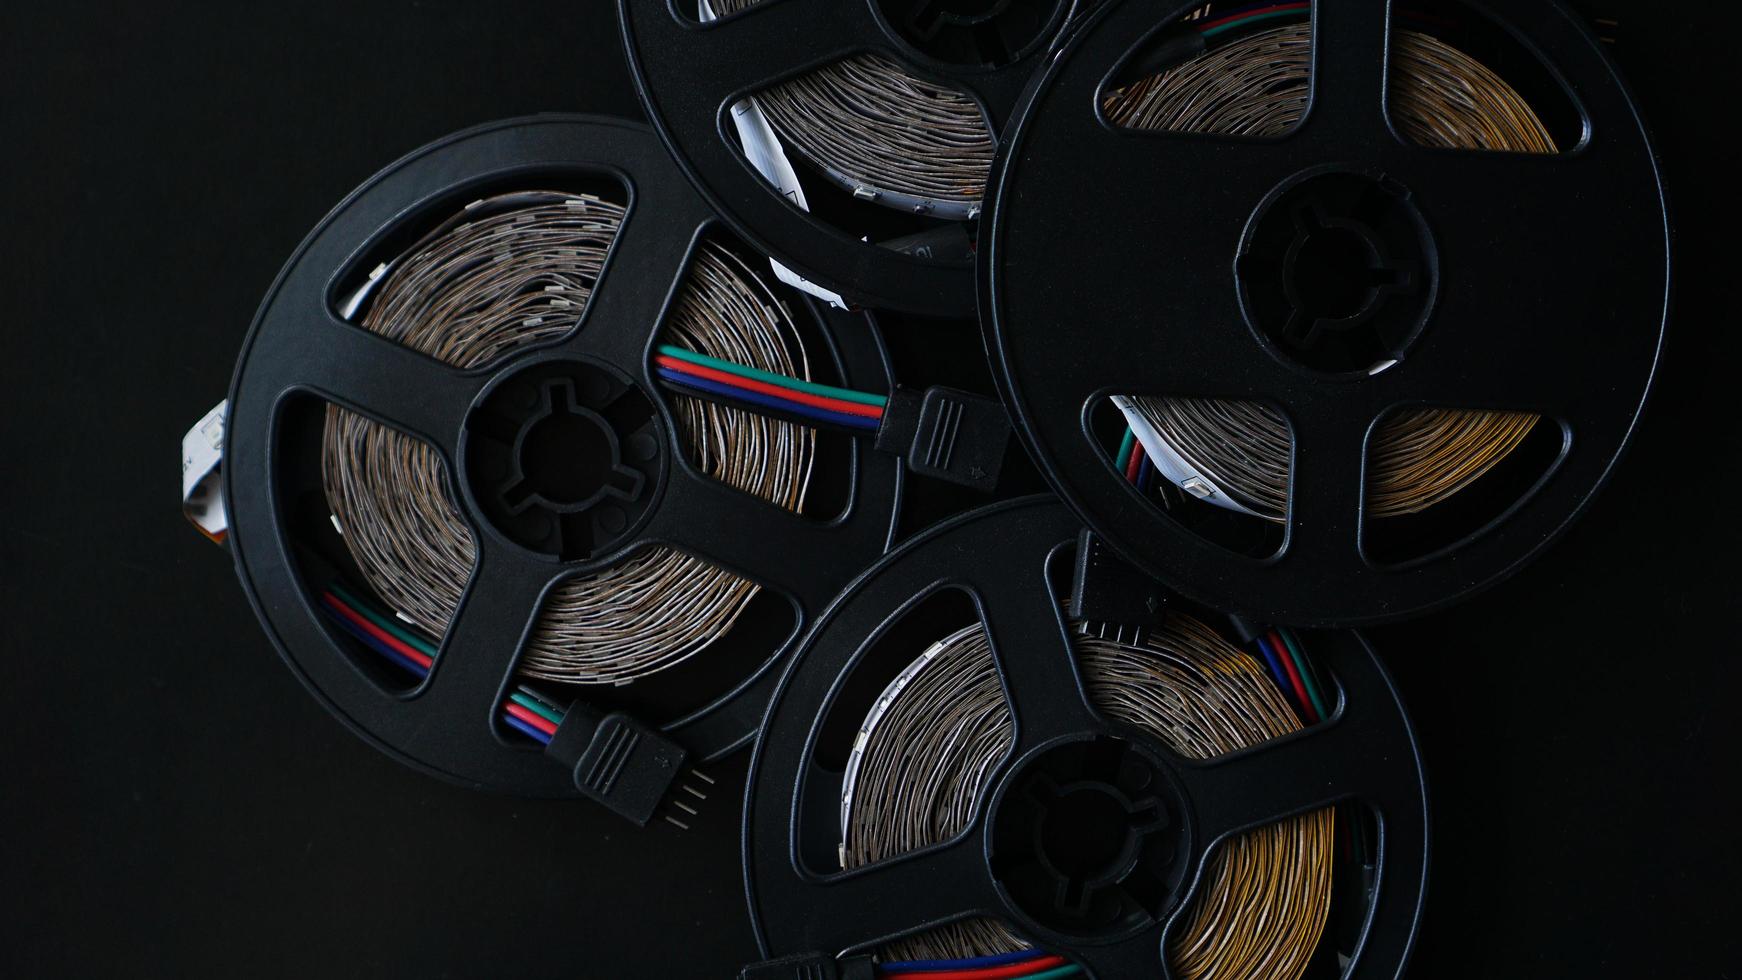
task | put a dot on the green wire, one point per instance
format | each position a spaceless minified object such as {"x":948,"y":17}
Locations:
{"x":541,"y":699}
{"x":1355,"y":828}
{"x":744,"y":371}
{"x":536,"y":708}
{"x":362,"y":608}
{"x":1125,"y":445}
{"x":1306,"y":673}
{"x":1063,"y":971}
{"x":1242,"y":22}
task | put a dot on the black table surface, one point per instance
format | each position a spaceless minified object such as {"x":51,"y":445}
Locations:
{"x":176,"y":805}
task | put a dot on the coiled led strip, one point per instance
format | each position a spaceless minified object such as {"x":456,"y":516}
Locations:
{"x":1259,"y":86}
{"x":924,"y":754}
{"x":513,"y":270}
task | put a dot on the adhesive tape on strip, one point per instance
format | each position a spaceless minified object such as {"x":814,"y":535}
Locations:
{"x":202,"y":490}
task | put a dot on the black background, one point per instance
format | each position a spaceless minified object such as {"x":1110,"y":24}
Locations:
{"x":174,"y":804}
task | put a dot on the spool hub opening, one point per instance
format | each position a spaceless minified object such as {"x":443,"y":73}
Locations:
{"x":563,"y":457}
{"x":1336,"y":273}
{"x":1087,"y":838}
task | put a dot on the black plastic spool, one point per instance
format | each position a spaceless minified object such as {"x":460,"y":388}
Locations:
{"x":1543,"y":284}
{"x":689,"y":74}
{"x":299,"y":346}
{"x":1365,"y":752}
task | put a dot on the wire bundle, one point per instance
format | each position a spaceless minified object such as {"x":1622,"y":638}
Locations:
{"x":929,"y":746}
{"x":721,"y":380}
{"x":1258,"y":85}
{"x":513,"y":270}
{"x":868,"y":122}
{"x":532,"y":714}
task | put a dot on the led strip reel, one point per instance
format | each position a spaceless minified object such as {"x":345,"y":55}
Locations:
{"x":1236,"y":455}
{"x":665,"y":385}
{"x":1218,"y":789}
{"x":1176,"y":151}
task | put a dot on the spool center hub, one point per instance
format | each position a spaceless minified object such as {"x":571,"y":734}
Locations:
{"x":563,"y":457}
{"x":1087,"y":838}
{"x":1336,"y":272}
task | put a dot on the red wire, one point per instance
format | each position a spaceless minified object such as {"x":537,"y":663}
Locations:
{"x":532,"y":718}
{"x":1134,"y":465}
{"x":763,"y":387}
{"x":417,"y":656}
{"x":1282,"y":654}
{"x":1023,"y":969}
{"x":1231,"y":18}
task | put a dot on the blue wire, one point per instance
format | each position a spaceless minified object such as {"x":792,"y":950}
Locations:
{"x":409,"y":664}
{"x":682,"y":380}
{"x":528,"y":729}
{"x":1275,"y":666}
{"x":375,"y":644}
{"x":1000,"y":959}
{"x":1145,"y":474}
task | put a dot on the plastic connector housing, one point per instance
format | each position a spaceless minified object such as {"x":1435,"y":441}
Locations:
{"x":810,"y":966}
{"x":1105,"y":588}
{"x":947,"y":434}
{"x":617,"y":761}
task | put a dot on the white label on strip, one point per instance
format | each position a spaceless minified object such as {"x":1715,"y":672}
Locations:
{"x":202,"y":456}
{"x":762,"y":148}
{"x":1178,"y":470}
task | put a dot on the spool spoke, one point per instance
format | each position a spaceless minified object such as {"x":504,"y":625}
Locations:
{"x":1350,"y":42}
{"x":642,"y":272}
{"x":481,"y":645}
{"x":897,"y":897}
{"x":759,"y":540}
{"x":1325,"y":490}
{"x":1365,"y":752}
{"x":1036,"y":658}
{"x":401,"y":387}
